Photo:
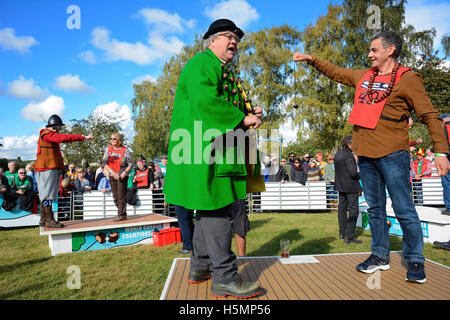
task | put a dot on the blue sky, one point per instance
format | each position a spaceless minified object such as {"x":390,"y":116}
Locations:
{"x":46,"y":67}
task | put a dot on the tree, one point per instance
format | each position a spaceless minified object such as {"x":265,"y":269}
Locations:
{"x":324,"y":104}
{"x":92,"y":151}
{"x":152,"y":105}
{"x":265,"y":65}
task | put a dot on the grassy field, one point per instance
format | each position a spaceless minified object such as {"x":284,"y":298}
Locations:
{"x":28,"y":271}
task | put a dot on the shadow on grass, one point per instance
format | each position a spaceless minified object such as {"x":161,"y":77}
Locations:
{"x":315,"y":246}
{"x":14,"y":294}
{"x":255,"y":224}
{"x":11,"y":267}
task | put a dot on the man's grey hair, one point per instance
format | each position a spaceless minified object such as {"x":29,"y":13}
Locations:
{"x":388,"y":38}
{"x":207,"y":42}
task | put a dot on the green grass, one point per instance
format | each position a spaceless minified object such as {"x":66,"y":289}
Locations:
{"x":28,"y":271}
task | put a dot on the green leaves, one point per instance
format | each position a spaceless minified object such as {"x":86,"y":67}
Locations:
{"x":91,"y":151}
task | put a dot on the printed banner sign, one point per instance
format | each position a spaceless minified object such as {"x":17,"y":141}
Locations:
{"x":116,"y":237}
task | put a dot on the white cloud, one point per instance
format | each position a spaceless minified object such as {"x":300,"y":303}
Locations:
{"x":41,"y":111}
{"x":24,"y":147}
{"x":143,"y":78}
{"x":115,"y":50}
{"x":159,"y":47}
{"x":9,"y":41}
{"x":423,"y":16}
{"x":165,"y":47}
{"x":25,"y":89}
{"x":161,"y":42}
{"x":123,"y":113}
{"x":88,"y":56}
{"x":239,"y":11}
{"x":71,"y":83}
{"x":165,"y":22}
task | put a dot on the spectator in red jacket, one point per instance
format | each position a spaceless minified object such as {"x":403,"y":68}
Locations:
{"x":421,"y":166}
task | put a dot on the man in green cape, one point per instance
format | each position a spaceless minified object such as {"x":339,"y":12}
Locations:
{"x":210,"y":163}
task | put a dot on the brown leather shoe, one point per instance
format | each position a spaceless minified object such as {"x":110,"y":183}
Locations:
{"x":50,"y":222}
{"x":43,"y":216}
{"x":120,"y":218}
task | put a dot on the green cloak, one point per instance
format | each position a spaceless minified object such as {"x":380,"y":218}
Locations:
{"x":208,"y":104}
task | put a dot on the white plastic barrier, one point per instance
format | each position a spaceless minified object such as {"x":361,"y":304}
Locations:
{"x":96,"y":204}
{"x":294,"y":196}
{"x":432,"y":191}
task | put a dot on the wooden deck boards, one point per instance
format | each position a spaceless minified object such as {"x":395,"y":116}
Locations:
{"x":333,"y":278}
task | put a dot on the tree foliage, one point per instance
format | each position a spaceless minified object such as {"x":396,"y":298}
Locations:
{"x":274,"y":83}
{"x":90,"y":152}
{"x":264,"y":63}
{"x":324,"y":104}
{"x":152,"y":105}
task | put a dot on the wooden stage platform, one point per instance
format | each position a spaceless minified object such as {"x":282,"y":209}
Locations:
{"x":318,"y":277}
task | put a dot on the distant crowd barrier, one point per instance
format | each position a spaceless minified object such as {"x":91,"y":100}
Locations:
{"x":289,"y":196}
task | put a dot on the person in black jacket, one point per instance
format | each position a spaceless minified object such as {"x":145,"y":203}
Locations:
{"x":277,"y":173}
{"x":298,"y":174}
{"x":347,"y":183}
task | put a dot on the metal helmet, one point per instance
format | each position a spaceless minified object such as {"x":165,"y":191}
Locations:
{"x":54,"y":120}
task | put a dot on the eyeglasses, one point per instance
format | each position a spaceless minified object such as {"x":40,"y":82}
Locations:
{"x":296,"y":162}
{"x":283,"y":160}
{"x":230,"y":37}
{"x":21,"y":172}
{"x":113,"y":139}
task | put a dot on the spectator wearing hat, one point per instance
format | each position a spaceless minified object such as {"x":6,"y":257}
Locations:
{"x":209,"y":93}
{"x":48,"y":163}
{"x":422,"y":166}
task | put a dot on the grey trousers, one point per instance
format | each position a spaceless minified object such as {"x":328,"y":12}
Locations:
{"x":48,"y":184}
{"x":211,"y":247}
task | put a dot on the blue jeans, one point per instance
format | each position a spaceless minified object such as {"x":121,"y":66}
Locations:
{"x":391,"y":171}
{"x":186,"y":223}
{"x":446,"y":188}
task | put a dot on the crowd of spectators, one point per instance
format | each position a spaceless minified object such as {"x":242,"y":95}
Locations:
{"x":15,"y":185}
{"x":18,"y":185}
{"x":298,"y":169}
{"x":144,"y":175}
{"x":307,"y":168}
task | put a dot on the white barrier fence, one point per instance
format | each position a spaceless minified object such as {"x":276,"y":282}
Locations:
{"x":294,"y":196}
{"x":432,"y":191}
{"x":96,"y":204}
{"x":315,"y":195}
